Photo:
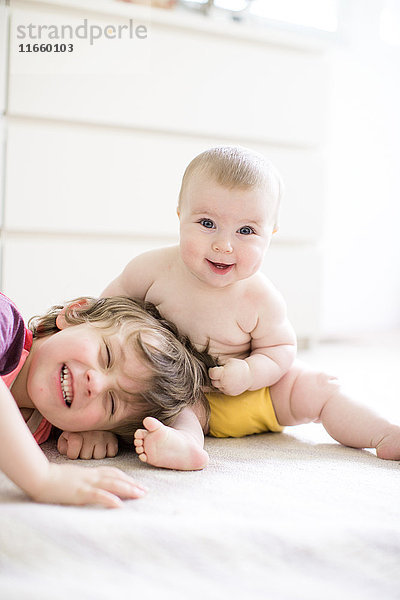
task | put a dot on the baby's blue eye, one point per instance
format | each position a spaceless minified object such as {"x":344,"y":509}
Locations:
{"x":246,"y":230}
{"x":207,"y":223}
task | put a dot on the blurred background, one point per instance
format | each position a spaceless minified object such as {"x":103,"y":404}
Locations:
{"x":95,"y":140}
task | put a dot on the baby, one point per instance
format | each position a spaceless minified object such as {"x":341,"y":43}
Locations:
{"x":211,"y":287}
{"x":92,"y":365}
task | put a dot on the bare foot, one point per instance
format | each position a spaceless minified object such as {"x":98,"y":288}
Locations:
{"x":389,"y":445}
{"x":163,"y":446}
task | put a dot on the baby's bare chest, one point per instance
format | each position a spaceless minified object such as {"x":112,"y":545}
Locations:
{"x":220,"y":319}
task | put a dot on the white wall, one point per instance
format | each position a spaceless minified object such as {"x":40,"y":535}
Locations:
{"x":361,"y":290}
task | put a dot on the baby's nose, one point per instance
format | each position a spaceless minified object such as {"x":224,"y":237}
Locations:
{"x":222,"y":245}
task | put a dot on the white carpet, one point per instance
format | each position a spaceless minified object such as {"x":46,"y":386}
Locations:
{"x":280,"y":516}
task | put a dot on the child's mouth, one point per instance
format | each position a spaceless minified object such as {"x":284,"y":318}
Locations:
{"x":66,"y":385}
{"x":221,"y":268}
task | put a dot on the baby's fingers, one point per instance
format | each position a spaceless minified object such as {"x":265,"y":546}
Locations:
{"x":215,"y":373}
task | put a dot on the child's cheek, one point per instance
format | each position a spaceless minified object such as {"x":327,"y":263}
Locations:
{"x":86,"y":348}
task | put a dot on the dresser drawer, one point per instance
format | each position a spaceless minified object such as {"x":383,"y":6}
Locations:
{"x":177,"y":80}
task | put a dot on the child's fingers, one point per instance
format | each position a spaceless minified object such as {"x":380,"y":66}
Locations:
{"x":74,"y":445}
{"x":103,"y":498}
{"x":119,"y":483}
{"x":122,"y":489}
{"x":62,"y":444}
{"x":99,"y":451}
{"x":112,"y":449}
{"x":69,"y":484}
{"x":88,"y":449}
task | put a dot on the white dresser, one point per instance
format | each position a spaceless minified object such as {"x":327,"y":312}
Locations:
{"x":97,"y":140}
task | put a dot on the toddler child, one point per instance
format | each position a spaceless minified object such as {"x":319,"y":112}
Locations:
{"x":211,"y":287}
{"x":91,"y":365}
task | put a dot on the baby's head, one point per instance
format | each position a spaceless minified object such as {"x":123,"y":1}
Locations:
{"x":236,"y":167}
{"x":228,"y":210}
{"x":108,"y":363}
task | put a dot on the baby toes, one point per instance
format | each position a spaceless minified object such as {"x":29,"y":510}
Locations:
{"x":140,"y":434}
{"x":139,"y":446}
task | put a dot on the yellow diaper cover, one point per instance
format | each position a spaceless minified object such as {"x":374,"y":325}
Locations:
{"x":237,"y":416}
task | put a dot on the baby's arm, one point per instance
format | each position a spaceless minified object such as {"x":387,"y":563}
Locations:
{"x":137,"y":277}
{"x":88,"y":444}
{"x":25,"y":464}
{"x":273,"y":349}
{"x":178,"y":447}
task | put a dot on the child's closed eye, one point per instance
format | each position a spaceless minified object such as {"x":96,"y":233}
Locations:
{"x":108,"y":356}
{"x":112,"y":403}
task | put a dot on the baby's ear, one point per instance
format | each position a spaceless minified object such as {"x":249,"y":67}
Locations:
{"x":61,"y":322}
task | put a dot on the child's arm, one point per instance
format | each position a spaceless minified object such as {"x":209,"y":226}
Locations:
{"x":273,"y":350}
{"x":88,"y":444}
{"x":178,"y":447}
{"x":137,"y":277}
{"x":25,"y":464}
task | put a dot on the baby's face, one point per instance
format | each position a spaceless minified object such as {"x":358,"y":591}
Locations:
{"x":83,"y":377}
{"x":224,"y":232}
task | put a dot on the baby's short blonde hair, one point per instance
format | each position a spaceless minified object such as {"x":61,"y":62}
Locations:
{"x":235,"y":166}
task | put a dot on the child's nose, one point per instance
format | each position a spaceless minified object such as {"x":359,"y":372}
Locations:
{"x":95,"y":383}
{"x":222,"y":245}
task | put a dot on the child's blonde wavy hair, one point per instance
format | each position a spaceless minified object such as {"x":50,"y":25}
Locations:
{"x":178,"y":372}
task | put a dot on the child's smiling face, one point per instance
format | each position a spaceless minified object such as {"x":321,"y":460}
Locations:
{"x":83,"y":377}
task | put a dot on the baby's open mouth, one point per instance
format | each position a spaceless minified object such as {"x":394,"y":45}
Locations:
{"x":66,"y":385}
{"x":220,"y":266}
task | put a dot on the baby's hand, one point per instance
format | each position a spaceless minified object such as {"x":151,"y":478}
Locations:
{"x":70,"y":484}
{"x":88,"y":444}
{"x":233,"y":378}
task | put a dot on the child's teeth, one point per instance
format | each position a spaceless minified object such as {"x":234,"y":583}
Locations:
{"x":66,"y":387}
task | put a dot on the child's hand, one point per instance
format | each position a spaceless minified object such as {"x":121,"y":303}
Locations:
{"x":70,"y":484}
{"x":88,"y":444}
{"x":233,"y":378}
